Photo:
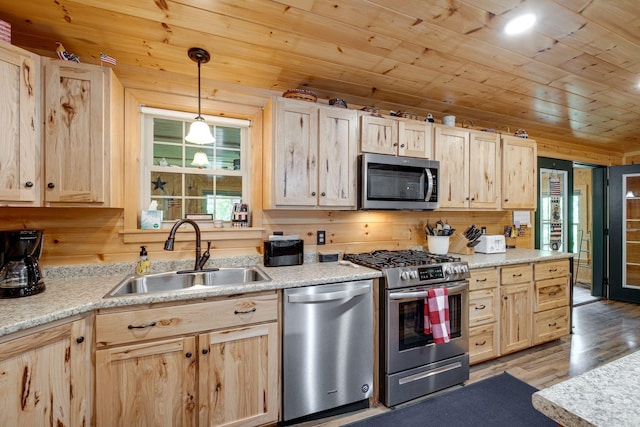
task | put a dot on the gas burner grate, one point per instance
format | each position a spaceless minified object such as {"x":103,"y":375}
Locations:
{"x":382,"y":259}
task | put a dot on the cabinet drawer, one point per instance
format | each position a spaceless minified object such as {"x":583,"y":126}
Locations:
{"x":482,"y":306}
{"x":550,"y":325}
{"x":483,"y":343}
{"x":520,"y":273}
{"x":483,"y":278}
{"x":551,"y":269}
{"x":551,"y":293}
{"x":153,"y":323}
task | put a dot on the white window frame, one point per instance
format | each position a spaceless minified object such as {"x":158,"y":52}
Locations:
{"x":146,"y":162}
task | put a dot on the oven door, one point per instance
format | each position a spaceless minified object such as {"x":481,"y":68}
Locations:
{"x":406,"y":344}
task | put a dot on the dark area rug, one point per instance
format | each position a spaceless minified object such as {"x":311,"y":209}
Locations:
{"x":500,"y":401}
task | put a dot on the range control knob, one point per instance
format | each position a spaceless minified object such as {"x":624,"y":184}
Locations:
{"x":413,"y":274}
{"x":447,"y":271}
{"x":404,"y":275}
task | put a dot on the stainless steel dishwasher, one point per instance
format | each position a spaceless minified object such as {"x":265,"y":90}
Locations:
{"x":327,"y":358}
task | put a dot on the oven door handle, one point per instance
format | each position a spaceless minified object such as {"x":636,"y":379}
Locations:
{"x":330,"y":296}
{"x":424,"y":294}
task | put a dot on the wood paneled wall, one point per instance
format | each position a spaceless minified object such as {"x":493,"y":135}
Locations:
{"x":94,"y":235}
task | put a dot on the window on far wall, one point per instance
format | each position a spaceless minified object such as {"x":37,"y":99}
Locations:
{"x":183,"y":183}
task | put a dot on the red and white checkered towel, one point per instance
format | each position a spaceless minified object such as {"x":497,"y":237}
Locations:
{"x":436,"y":315}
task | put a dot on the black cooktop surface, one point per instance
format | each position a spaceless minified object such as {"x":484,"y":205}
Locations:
{"x":388,"y":259}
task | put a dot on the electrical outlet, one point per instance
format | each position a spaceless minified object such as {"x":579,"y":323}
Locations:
{"x":321,"y":240}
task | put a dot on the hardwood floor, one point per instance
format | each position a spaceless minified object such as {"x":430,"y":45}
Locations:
{"x":602,"y":332}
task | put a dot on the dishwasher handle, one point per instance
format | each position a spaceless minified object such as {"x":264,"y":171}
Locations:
{"x":330,"y":296}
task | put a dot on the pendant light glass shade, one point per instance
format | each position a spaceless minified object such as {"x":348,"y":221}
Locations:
{"x":200,"y":159}
{"x":199,"y":132}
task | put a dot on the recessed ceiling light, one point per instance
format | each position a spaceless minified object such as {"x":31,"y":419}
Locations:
{"x":520,"y":24}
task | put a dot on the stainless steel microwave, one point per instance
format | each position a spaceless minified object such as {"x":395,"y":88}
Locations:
{"x":395,"y":182}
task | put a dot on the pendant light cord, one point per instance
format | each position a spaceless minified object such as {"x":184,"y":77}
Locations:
{"x":199,"y":115}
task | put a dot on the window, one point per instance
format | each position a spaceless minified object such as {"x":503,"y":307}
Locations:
{"x":185,"y":178}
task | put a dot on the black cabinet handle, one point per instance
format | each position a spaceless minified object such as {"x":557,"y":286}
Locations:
{"x":517,"y":275}
{"x":313,"y":193}
{"x":188,"y":354}
{"x":51,"y":185}
{"x":323,"y":194}
{"x":552,"y":324}
{"x":28,"y":184}
{"x":481,"y":307}
{"x":244,"y":312}
{"x":150,"y":325}
{"x":205,"y":350}
{"x":481,"y":280}
{"x":481,"y":343}
{"x":80,"y":340}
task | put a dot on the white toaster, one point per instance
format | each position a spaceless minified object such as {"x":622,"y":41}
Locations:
{"x":491,"y":244}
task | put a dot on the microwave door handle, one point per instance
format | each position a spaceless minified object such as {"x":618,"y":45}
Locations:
{"x":427,"y":196}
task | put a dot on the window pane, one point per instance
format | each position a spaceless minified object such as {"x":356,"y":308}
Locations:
{"x":168,"y":130}
{"x":196,"y":206}
{"x":227,"y":159}
{"x":172,"y":154}
{"x":230,"y":186}
{"x":198,"y":185}
{"x":228,"y":137}
{"x":172,"y":208}
{"x":166,"y":184}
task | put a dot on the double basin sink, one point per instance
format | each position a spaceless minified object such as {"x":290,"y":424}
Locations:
{"x":178,"y":281}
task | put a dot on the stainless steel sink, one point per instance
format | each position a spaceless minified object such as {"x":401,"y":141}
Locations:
{"x":190,"y":280}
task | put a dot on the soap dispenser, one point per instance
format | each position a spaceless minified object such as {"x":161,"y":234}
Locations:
{"x":144,"y":265}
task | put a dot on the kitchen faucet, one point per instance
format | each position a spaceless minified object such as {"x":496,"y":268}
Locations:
{"x":200,"y":259}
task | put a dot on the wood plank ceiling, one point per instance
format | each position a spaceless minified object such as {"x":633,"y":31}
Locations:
{"x":574,"y":77}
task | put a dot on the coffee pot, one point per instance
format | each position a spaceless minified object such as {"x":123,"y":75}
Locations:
{"x":20,"y":273}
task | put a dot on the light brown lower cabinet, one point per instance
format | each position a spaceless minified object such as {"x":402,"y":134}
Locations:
{"x":483,"y":315}
{"x":45,"y":377}
{"x":188,"y":375}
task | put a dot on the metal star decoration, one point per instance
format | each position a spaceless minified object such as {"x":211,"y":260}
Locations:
{"x":159,"y":184}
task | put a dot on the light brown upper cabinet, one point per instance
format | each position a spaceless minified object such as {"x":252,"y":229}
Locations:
{"x":83,"y":135}
{"x":19,"y":150}
{"x":310,"y":156}
{"x":519,"y":173}
{"x":395,"y":136}
{"x":469,"y":168}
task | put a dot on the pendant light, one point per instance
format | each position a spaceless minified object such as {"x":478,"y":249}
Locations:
{"x":199,"y":132}
{"x":200,"y":160}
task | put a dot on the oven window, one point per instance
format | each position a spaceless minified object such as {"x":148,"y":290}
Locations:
{"x":411,"y":322}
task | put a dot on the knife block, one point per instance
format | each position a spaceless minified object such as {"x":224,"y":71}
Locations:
{"x":458,"y":245}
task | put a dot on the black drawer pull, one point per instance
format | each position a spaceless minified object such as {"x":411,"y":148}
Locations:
{"x":481,"y":343}
{"x":481,"y":280}
{"x":552,"y":324}
{"x":481,"y":307}
{"x":553,"y":293}
{"x":150,"y":325}
{"x":517,"y":275}
{"x":245,"y":312}
{"x":553,"y":270}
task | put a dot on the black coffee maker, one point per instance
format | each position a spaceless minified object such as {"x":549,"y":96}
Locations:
{"x":20,"y":273}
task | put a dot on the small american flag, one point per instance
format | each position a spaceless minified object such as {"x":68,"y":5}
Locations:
{"x":108,"y":59}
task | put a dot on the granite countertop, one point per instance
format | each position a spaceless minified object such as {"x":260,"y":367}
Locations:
{"x":73,"y":290}
{"x":605,"y":396}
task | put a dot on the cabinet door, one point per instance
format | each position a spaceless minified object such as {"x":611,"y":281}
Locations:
{"x":452,"y":150}
{"x":378,"y":134}
{"x":45,"y":378}
{"x":239,"y":376}
{"x":483,"y":343}
{"x":483,"y":305}
{"x":415,"y":139}
{"x":296,"y":159}
{"x":150,"y":384}
{"x":74,"y":133}
{"x":484,"y":170}
{"x":519,"y":172}
{"x":19,"y":179}
{"x":337,"y":153}
{"x":515,"y":318}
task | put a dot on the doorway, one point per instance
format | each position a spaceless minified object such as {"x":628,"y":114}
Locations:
{"x":568,"y":219}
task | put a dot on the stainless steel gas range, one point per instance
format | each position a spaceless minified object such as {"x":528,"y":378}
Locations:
{"x":411,"y":364}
